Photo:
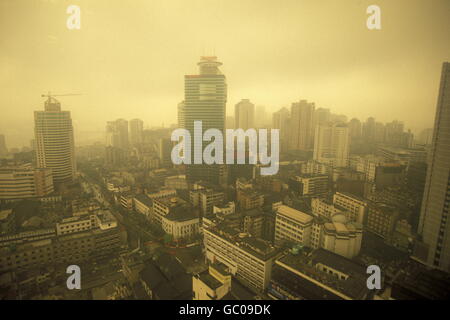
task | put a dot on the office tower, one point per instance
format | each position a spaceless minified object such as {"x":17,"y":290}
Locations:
{"x":331,"y":144}
{"x":165,"y":150}
{"x":434,"y":225}
{"x":244,"y":115}
{"x":280,"y":120}
{"x":117,"y":134}
{"x":355,"y":128}
{"x":3,"y":148}
{"x":302,"y":121}
{"x":205,"y":100}
{"x":136,"y":129}
{"x":54,"y":141}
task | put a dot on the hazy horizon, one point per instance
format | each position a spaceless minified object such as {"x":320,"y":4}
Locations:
{"x":129,"y":60}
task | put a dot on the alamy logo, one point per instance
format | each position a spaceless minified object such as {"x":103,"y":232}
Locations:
{"x":374,"y":280}
{"x":213,"y":152}
{"x":74,"y":280}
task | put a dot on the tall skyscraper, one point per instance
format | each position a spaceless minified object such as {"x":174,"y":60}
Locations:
{"x":3,"y":148}
{"x":205,"y":100}
{"x":54,"y":141}
{"x":117,"y":134}
{"x":244,"y":114}
{"x":136,"y":130}
{"x":434,"y":225}
{"x":302,"y":126}
{"x":331,"y":144}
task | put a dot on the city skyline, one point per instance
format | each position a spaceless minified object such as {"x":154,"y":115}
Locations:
{"x":403,"y":79}
{"x":291,"y":171}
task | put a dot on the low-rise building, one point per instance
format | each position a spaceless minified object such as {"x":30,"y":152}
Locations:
{"x":318,"y":275}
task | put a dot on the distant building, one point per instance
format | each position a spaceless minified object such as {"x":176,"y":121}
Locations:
{"x":136,"y":131}
{"x":332,"y":144}
{"x":302,"y":126}
{"x":309,"y":185}
{"x":244,"y":115}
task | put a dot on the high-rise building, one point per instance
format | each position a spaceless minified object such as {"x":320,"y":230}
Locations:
{"x":244,"y":115}
{"x":368,"y":130}
{"x":302,"y":126}
{"x":321,"y":116}
{"x":280,"y":120}
{"x":3,"y":148}
{"x":205,"y":100}
{"x":355,"y":128}
{"x":117,"y":134}
{"x":54,"y":141}
{"x":331,"y":144}
{"x":136,"y":129}
{"x":434,"y":225}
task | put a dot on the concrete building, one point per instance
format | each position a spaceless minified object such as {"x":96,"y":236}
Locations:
{"x":163,"y":206}
{"x":319,"y":275}
{"x":249,"y":259}
{"x":281,"y":121}
{"x":433,"y":224}
{"x":332,"y":144}
{"x":180,"y":223}
{"x":355,"y":207}
{"x":292,"y":226}
{"x":136,"y":131}
{"x":143,"y":204}
{"x":205,"y":100}
{"x":302,"y":126}
{"x":24,"y":181}
{"x":75,"y":246}
{"x":117,"y":134}
{"x":309,"y":185}
{"x":55,"y":148}
{"x":381,"y":219}
{"x":212,"y":284}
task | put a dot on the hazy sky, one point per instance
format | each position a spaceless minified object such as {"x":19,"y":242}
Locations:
{"x":129,"y":57}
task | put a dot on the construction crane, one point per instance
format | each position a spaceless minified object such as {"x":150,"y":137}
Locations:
{"x":49,"y":95}
{"x":52,"y":104}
